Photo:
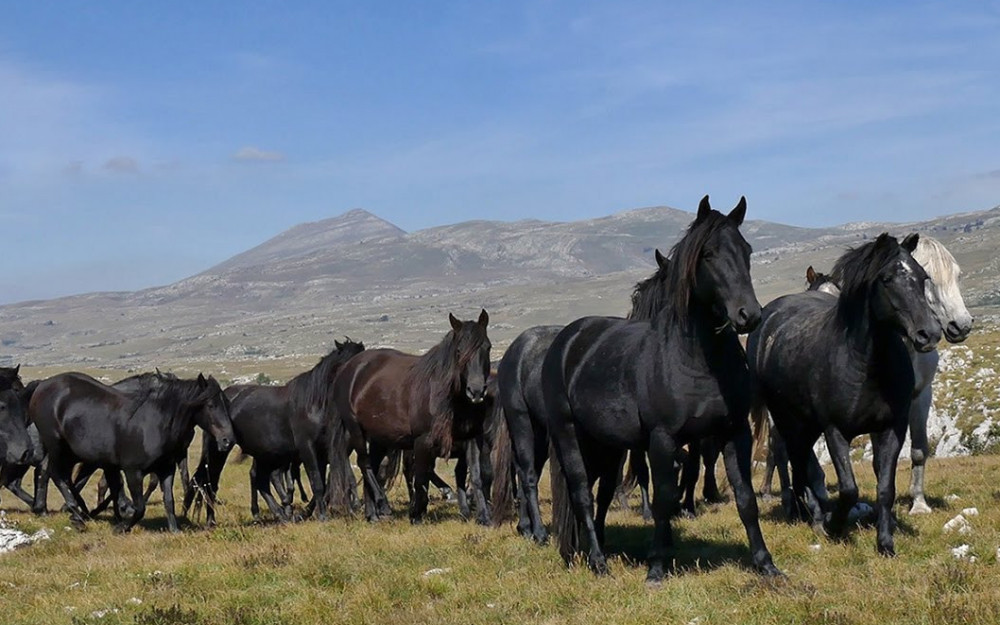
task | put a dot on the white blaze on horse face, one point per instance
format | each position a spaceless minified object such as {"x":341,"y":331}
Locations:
{"x":942,"y":292}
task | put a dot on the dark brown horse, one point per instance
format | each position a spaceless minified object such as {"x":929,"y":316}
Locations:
{"x":385,"y":400}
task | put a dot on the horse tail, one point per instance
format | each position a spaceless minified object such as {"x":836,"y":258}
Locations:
{"x":26,"y":393}
{"x":501,"y":458}
{"x":761,"y":424}
{"x":388,"y":471}
{"x":631,"y":479}
{"x":563,"y":519}
{"x":341,"y":489}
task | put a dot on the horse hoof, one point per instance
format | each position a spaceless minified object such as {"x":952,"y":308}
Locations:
{"x":484,"y":521}
{"x":769,"y":570}
{"x":887,"y":550}
{"x":598,"y":565}
{"x":767,"y":497}
{"x":416,"y":521}
{"x":647,"y":515}
{"x":120,"y":528}
{"x":920,"y":507}
{"x":40,"y":511}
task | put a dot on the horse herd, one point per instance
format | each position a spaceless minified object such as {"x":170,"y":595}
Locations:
{"x":855,"y":354}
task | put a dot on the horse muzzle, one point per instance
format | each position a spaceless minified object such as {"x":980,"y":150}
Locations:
{"x":475,"y":397}
{"x":955,"y":333}
{"x":225,"y":444}
{"x":924,"y":340}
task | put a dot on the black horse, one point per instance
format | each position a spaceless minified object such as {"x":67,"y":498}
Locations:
{"x":12,"y":472}
{"x":279,"y":427}
{"x":839,"y":366}
{"x":83,"y":421}
{"x":777,"y":456}
{"x":524,"y":437}
{"x":611,"y":385}
{"x":15,"y":446}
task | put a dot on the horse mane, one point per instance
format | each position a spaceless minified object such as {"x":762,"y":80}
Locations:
{"x":856,"y":270}
{"x":314,"y":385}
{"x":937,"y":261}
{"x":683,"y":265}
{"x":439,"y":372}
{"x":176,"y":391}
{"x":650,"y":295}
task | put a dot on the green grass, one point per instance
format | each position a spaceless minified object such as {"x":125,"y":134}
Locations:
{"x":349,"y":571}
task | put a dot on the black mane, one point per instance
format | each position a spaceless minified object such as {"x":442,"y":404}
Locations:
{"x":439,"y":371}
{"x":650,"y":295}
{"x":314,"y":385}
{"x":683,"y":265}
{"x":856,"y":270}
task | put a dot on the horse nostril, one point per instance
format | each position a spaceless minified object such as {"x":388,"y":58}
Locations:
{"x":922,"y":337}
{"x":742,"y":317}
{"x":25,"y":456}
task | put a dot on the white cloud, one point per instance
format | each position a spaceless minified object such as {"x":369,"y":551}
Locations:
{"x":254,"y":154}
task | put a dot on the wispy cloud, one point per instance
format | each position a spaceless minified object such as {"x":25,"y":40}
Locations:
{"x":122,"y":165}
{"x":254,"y":154}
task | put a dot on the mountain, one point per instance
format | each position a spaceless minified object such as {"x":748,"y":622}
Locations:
{"x":360,"y":275}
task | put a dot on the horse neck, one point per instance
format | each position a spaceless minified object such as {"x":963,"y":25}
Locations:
{"x":694,"y":335}
{"x":176,"y":416}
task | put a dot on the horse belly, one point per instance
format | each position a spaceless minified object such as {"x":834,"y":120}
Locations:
{"x":617,"y":425}
{"x":92,"y":440}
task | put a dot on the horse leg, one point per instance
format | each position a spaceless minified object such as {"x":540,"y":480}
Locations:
{"x":840,"y":453}
{"x":620,"y":489}
{"x":379,"y":501}
{"x":477,"y":473}
{"x":534,"y":469}
{"x":738,"y":454}
{"x":461,"y":486}
{"x":295,"y":475}
{"x":885,"y":447}
{"x":185,"y":474}
{"x":710,"y":456}
{"x":765,"y":484}
{"x":277,"y":480}
{"x":579,"y":481}
{"x":13,"y":483}
{"x":662,"y":452}
{"x":919,"y":449}
{"x":641,"y":471}
{"x":122,"y":505}
{"x":166,"y":478}
{"x":606,"y":486}
{"x":254,"y":500}
{"x":40,"y":505}
{"x":689,"y":478}
{"x":316,"y":472}
{"x":262,"y":482}
{"x":423,"y":465}
{"x":133,"y":478}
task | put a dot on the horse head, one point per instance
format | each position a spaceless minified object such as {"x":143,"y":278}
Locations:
{"x":942,"y":292}
{"x":711,"y":265}
{"x":471,"y":353}
{"x":212,"y":412}
{"x":15,"y":445}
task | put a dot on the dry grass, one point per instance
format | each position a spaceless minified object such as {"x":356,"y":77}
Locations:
{"x":350,"y":571}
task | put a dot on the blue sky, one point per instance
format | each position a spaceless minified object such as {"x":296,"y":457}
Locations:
{"x":141,"y":143}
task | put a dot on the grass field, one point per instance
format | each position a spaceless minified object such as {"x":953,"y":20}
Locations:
{"x":352,"y":572}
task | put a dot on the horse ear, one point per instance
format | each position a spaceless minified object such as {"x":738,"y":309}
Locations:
{"x":455,"y":323}
{"x":740,"y":212}
{"x":661,"y":260}
{"x":704,"y":208}
{"x":338,"y":345}
{"x":17,"y":369}
{"x":484,"y":318}
{"x":910,"y":242}
{"x":882,"y":240}
{"x":202,"y":382}
{"x":810,"y":275}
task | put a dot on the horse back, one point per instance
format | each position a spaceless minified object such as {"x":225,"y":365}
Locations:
{"x":261,"y":417}
{"x":75,"y":411}
{"x":519,"y":373}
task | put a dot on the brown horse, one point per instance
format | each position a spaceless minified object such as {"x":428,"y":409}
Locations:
{"x":386,"y":400}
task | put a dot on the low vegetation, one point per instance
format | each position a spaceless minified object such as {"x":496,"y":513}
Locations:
{"x":448,"y":571}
